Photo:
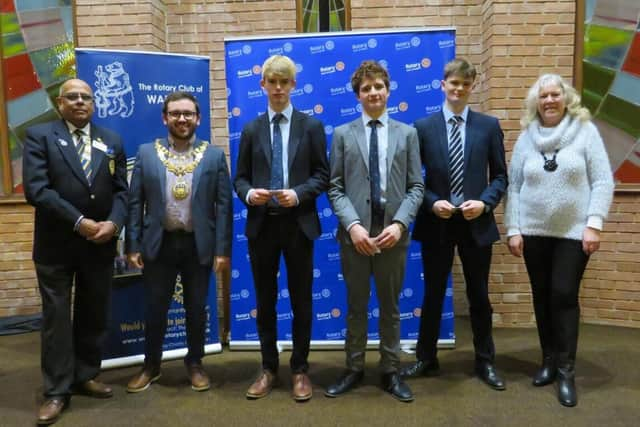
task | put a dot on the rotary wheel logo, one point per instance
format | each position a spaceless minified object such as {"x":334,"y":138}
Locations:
{"x":178,"y":293}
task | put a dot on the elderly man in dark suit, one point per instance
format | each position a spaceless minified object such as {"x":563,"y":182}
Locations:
{"x":282,"y":168}
{"x":74,"y":174}
{"x":463,"y":156}
{"x":375,"y":189}
{"x":180,"y":222}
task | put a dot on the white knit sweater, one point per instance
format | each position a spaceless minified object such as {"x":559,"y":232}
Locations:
{"x":563,"y":202}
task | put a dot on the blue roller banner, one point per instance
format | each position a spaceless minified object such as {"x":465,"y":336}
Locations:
{"x":129,"y":89}
{"x":415,"y":60}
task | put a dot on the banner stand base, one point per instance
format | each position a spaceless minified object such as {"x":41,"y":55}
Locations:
{"x":408,"y":346}
{"x":138,"y":359}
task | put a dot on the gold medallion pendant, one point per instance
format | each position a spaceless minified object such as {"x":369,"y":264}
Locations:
{"x":180,"y":190}
{"x":179,"y":165}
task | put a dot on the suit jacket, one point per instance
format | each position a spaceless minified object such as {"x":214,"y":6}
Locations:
{"x":211,"y":212}
{"x":484,"y":177}
{"x":308,"y":169}
{"x":349,"y":189}
{"x":56,"y":185}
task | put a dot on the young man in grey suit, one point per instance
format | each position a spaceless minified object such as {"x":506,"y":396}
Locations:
{"x":466,"y":176}
{"x":75,"y":175}
{"x":375,"y":189}
{"x":282,"y":168}
{"x":180,"y":221}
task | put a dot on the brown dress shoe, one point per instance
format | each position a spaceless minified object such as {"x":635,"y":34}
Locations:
{"x":198,"y":377}
{"x":262,"y":386}
{"x":302,"y":389}
{"x":51,"y":410}
{"x":95,"y":388}
{"x":143,"y":379}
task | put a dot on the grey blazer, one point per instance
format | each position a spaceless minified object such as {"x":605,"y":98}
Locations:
{"x":349,"y":189}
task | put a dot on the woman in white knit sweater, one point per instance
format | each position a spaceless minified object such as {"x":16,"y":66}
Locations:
{"x":560,"y":190}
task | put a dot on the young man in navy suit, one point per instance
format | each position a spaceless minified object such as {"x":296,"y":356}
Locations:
{"x":180,"y":221}
{"x":282,"y":168}
{"x":463,"y":155}
{"x":75,"y":175}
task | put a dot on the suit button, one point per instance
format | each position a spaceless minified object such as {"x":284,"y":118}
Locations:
{"x":93,"y":196}
{"x":367,"y":201}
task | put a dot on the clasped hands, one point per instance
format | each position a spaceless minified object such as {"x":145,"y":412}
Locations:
{"x":471,"y":209}
{"x":366,"y":245}
{"x":96,"y":232}
{"x":286,"y":198}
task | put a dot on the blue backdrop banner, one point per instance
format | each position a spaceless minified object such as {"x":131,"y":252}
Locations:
{"x":415,"y":60}
{"x":129,"y":89}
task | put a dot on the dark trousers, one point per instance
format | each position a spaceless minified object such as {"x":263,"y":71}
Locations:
{"x":437,"y":259}
{"x":280,"y":235}
{"x":555,"y":268}
{"x":177,"y":255}
{"x":71,"y":348}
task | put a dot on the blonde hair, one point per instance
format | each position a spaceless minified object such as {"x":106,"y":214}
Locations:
{"x":279,"y":65}
{"x":571,"y":99}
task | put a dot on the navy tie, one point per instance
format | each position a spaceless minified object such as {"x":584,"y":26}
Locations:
{"x":377,"y":214}
{"x":456,"y":156}
{"x":277,"y":175}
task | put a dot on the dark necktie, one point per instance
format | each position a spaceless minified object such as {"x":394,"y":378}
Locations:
{"x":85,"y":161}
{"x":277,"y":176}
{"x":377,"y":214}
{"x":456,"y":156}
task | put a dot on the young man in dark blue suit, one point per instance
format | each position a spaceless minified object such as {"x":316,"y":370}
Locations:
{"x":74,"y":174}
{"x":282,"y":168}
{"x":463,"y":155}
{"x":180,"y":222}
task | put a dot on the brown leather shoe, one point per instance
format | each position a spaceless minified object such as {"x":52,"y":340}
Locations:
{"x":51,"y":410}
{"x":262,"y":386}
{"x":95,"y":388}
{"x":143,"y":379}
{"x":302,"y":389}
{"x":198,"y":377}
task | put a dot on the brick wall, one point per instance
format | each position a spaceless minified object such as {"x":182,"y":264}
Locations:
{"x":510,"y":41}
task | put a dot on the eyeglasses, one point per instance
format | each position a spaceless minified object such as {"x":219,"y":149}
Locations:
{"x":72,"y":96}
{"x":188,"y":115}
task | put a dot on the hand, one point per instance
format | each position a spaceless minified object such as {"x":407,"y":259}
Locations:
{"x":389,"y":236}
{"x":135,"y":260}
{"x":87,"y":228}
{"x":106,"y":232}
{"x":590,"y":240}
{"x":472,"y":209}
{"x":221,"y":263}
{"x":286,"y":198}
{"x":259,"y":196}
{"x":364,"y":244}
{"x":443,"y":209}
{"x":516,"y":245}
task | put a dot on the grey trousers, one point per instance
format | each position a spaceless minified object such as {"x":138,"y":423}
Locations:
{"x":387,"y":269}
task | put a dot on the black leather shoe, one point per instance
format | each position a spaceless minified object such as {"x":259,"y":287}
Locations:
{"x":546,"y":374}
{"x":567,"y":395}
{"x":487,"y":372}
{"x":425,"y":368}
{"x":347,"y":381}
{"x":392,"y":383}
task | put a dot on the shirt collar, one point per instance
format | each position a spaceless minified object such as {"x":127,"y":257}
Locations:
{"x":171,"y":142}
{"x":287,"y":113}
{"x":384,"y":119}
{"x":72,"y":128}
{"x":448,"y":113}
